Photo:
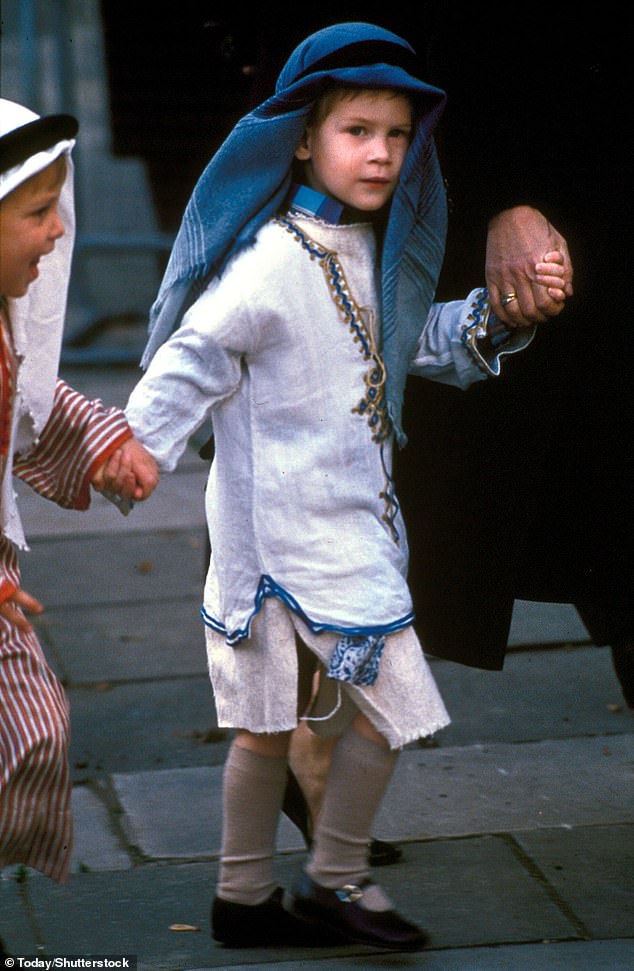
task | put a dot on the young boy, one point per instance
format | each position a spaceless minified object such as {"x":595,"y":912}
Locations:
{"x":299,"y":355}
{"x":60,"y":444}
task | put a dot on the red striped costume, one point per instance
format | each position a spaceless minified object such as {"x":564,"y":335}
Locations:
{"x":35,"y":788}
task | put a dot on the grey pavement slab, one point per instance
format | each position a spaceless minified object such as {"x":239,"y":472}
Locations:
{"x":125,"y":642}
{"x":14,"y":924}
{"x":128,"y":912}
{"x":132,"y":912}
{"x":549,"y":956}
{"x":503,"y":788}
{"x":97,"y":845}
{"x":155,"y":725}
{"x":475,"y":891}
{"x":177,"y":503}
{"x":545,"y":623}
{"x":550,"y":693}
{"x":177,"y":813}
{"x":435,"y":793}
{"x":592,"y":869}
{"x":131,"y":568}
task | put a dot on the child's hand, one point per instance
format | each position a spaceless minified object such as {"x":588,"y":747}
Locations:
{"x":130,"y":472}
{"x":11,"y":609}
{"x":550,"y":274}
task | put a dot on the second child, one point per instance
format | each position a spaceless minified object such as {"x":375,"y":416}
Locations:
{"x":60,"y":444}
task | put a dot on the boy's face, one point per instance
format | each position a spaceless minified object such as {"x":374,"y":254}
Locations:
{"x":29,"y":227}
{"x":356,"y":153}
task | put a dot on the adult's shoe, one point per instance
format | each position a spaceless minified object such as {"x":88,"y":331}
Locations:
{"x":381,"y":853}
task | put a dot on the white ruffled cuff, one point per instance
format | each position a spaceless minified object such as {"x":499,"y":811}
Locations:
{"x":486,"y":338}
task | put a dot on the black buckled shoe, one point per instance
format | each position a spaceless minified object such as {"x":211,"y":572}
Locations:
{"x":264,"y":925}
{"x":342,"y":911}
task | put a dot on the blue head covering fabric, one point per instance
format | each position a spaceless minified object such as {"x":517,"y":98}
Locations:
{"x":246,"y":182}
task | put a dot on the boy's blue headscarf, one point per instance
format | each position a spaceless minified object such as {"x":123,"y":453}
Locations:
{"x":247,"y":181}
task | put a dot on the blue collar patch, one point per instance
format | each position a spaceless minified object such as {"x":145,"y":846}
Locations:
{"x":312,"y":203}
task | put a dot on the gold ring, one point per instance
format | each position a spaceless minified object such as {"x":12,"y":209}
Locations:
{"x":508,"y":297}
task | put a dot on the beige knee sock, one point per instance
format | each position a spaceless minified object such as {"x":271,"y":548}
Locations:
{"x":359,"y":776}
{"x":253,"y":789}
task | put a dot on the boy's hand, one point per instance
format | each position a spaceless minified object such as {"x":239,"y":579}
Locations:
{"x":11,"y":609}
{"x":550,"y":273}
{"x":130,"y":473}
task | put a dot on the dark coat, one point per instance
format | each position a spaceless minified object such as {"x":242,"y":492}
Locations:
{"x":522,"y":486}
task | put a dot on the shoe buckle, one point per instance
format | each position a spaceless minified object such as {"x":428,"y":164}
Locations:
{"x":350,"y":893}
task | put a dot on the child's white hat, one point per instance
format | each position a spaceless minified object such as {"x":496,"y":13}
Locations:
{"x":29,"y":143}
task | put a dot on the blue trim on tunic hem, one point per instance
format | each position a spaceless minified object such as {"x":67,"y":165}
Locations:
{"x":269,"y":588}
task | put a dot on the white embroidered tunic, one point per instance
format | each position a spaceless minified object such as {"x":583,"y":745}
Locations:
{"x":282,"y":352}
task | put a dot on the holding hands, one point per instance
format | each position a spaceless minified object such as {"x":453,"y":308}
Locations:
{"x":130,"y":473}
{"x":528,"y":267}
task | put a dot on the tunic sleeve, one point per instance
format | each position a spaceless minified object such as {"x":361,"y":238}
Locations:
{"x":186,"y":378}
{"x":79,"y":436}
{"x":202,"y":364}
{"x":462,"y":342}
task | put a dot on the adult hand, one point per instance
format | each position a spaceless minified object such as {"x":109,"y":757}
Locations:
{"x":518,"y":239}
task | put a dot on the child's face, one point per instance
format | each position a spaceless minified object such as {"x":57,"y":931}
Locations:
{"x":356,"y":153}
{"x":29,"y":227}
